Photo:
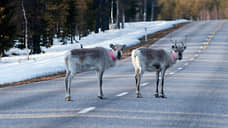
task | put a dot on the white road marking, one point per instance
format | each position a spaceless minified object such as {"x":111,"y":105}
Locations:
{"x":196,"y":55}
{"x":86,"y":110}
{"x":171,"y":73}
{"x":180,"y":68}
{"x":145,"y":84}
{"x":122,"y":94}
{"x":192,"y":59}
{"x":186,"y":64}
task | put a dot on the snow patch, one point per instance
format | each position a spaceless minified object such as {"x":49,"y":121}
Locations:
{"x":52,"y":62}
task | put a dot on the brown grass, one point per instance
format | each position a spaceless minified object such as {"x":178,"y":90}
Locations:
{"x":151,"y":40}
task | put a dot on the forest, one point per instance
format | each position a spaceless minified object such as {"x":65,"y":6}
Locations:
{"x":36,"y":22}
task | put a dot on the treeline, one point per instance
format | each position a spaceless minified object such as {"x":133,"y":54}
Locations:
{"x":193,"y":9}
{"x":45,"y":19}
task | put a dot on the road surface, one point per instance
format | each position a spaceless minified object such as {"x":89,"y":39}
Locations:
{"x":196,"y":90}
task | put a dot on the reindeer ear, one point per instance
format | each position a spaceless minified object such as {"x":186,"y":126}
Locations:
{"x":112,"y":46}
{"x":183,"y":45}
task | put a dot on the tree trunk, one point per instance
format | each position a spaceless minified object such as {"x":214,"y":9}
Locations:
{"x":71,"y":38}
{"x":36,"y":44}
{"x":26,"y":28}
{"x":102,"y":12}
{"x":117,"y":14}
{"x":50,"y":40}
{"x":123,"y":17}
{"x":152,"y":10}
{"x":97,"y":3}
{"x":145,"y":8}
{"x":112,"y":20}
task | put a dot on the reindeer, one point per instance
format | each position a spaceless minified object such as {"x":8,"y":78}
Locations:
{"x":158,"y":60}
{"x":88,"y":59}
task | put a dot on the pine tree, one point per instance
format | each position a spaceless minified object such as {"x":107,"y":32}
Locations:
{"x":130,"y":9}
{"x":71,"y":19}
{"x":102,"y":14}
{"x":34,"y":9}
{"x":56,"y":17}
{"x":90,"y":15}
{"x":7,"y":28}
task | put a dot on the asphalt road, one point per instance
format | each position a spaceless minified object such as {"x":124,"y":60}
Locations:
{"x":196,"y":90}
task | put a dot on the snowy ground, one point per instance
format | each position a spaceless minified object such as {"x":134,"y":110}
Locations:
{"x":15,"y":68}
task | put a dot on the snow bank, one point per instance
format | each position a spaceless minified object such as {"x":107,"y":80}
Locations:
{"x":15,"y":68}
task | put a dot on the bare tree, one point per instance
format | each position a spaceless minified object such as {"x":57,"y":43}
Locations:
{"x":123,"y":17}
{"x":145,"y":8}
{"x":152,"y":10}
{"x":112,"y":20}
{"x":122,"y":7}
{"x":26,"y":28}
{"x":117,"y":14}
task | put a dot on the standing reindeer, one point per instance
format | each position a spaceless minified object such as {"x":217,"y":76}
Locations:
{"x":158,"y":60}
{"x":87,"y":59}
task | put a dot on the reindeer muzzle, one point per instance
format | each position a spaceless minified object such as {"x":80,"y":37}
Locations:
{"x":119,"y":55}
{"x":180,"y":56}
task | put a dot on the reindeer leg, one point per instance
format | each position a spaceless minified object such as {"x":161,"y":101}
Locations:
{"x":99,"y":79}
{"x":138,"y":80}
{"x":157,"y":84}
{"x":68,"y":80}
{"x":66,"y":84}
{"x":162,"y":84}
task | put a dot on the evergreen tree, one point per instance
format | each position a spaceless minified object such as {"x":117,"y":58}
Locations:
{"x":102,"y":14}
{"x":130,"y":9}
{"x":90,"y":16}
{"x":56,"y":17}
{"x":34,"y":9}
{"x":71,"y":19}
{"x":7,"y":28}
{"x":67,"y":18}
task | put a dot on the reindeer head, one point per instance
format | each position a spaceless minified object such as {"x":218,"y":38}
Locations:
{"x":179,"y":48}
{"x":117,"y":50}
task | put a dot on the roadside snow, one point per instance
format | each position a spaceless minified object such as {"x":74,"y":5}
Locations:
{"x":15,"y":68}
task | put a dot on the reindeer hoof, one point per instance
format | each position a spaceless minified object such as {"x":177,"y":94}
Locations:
{"x":162,"y":96}
{"x":68,"y":98}
{"x":100,"y":97}
{"x":156,"y":95}
{"x":139,"y":95}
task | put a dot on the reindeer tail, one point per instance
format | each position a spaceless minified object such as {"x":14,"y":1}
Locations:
{"x":133,"y":55}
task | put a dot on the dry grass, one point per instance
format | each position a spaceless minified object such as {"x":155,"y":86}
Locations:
{"x":151,"y":40}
